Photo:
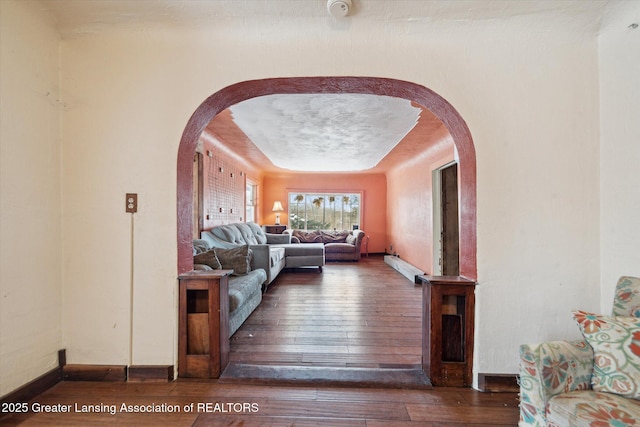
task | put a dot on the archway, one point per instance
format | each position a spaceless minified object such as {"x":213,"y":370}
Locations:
{"x":239,"y":92}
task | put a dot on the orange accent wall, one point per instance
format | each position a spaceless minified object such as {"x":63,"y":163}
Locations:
{"x":372,"y":186}
{"x":410,"y":202}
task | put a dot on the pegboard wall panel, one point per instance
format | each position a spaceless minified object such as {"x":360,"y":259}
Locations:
{"x":224,"y":190}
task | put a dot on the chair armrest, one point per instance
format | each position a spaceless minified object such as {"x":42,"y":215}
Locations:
{"x":278,"y":239}
{"x":548,"y":369}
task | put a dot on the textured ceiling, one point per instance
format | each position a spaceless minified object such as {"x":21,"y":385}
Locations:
{"x":325,"y":132}
{"x":428,"y":134}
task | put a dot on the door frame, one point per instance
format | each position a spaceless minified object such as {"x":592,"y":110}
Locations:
{"x":436,"y":191}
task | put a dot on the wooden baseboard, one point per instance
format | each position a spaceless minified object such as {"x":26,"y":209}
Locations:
{"x":401,"y":266}
{"x":150,"y":373}
{"x":39,"y":385}
{"x":116,"y":373}
{"x":64,"y":372}
{"x":498,"y":383}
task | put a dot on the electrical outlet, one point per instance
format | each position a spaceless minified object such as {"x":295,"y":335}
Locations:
{"x":132,"y":202}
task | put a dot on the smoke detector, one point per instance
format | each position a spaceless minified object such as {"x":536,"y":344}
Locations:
{"x":339,"y":8}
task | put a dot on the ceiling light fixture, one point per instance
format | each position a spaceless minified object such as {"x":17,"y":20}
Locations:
{"x":339,"y":8}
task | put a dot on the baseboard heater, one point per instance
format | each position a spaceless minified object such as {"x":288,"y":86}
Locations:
{"x":407,"y":270}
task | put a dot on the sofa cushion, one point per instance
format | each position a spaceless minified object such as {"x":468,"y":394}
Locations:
{"x":236,"y":259}
{"x":307,"y":236}
{"x":208,"y":258}
{"x":339,"y":248}
{"x":247,"y":234}
{"x":351,"y":239}
{"x":307,"y":249}
{"x":242,"y":287}
{"x":616,"y":347}
{"x":334,"y":236}
{"x":239,"y":234}
{"x":258,"y":233}
{"x":590,"y":408}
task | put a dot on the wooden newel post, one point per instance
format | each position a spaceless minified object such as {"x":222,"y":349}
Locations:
{"x":448,"y":311}
{"x":203,"y":337}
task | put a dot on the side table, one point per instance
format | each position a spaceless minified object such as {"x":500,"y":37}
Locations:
{"x":448,"y":310}
{"x":203,"y":323}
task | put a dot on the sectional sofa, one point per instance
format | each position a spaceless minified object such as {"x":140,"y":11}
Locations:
{"x":257,"y":258}
{"x":271,"y":252}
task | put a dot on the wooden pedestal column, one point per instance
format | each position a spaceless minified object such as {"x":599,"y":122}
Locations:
{"x":448,"y":307}
{"x":203,"y":337}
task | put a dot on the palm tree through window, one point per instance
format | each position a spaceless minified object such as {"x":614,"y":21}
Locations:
{"x":324,"y":211}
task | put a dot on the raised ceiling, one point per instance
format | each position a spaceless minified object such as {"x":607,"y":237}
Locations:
{"x":325,"y":132}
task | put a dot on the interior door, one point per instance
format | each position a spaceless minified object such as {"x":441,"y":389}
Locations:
{"x":449,"y":216}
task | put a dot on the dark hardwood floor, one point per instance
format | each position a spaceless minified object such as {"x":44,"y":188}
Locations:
{"x":361,"y":314}
{"x":351,"y":318}
{"x":261,"y":405}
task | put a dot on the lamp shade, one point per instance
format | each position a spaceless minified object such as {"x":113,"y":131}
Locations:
{"x":277,"y":206}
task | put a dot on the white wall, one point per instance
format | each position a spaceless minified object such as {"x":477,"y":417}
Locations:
{"x":530,"y":99}
{"x":619,"y":59}
{"x":30,"y":208}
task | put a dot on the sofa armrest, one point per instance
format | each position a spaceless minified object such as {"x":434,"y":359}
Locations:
{"x":548,"y":369}
{"x":261,"y":257}
{"x":215,"y":242}
{"x":278,"y":239}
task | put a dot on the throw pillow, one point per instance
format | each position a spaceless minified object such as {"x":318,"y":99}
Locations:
{"x":308,"y":236}
{"x":334,"y":236}
{"x":236,"y":259}
{"x":616,"y":347}
{"x":351,"y":239}
{"x":208,"y":258}
{"x":199,"y":246}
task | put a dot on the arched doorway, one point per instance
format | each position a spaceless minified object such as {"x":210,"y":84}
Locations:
{"x":236,"y":93}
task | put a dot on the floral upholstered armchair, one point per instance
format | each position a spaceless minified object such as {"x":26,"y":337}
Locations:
{"x":594,"y":382}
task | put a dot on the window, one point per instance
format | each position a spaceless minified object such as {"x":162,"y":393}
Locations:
{"x":251,"y":202}
{"x":324,"y":211}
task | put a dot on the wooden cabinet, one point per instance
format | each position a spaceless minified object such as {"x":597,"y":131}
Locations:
{"x":447,"y":336}
{"x":274,"y":229}
{"x":203,"y":337}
